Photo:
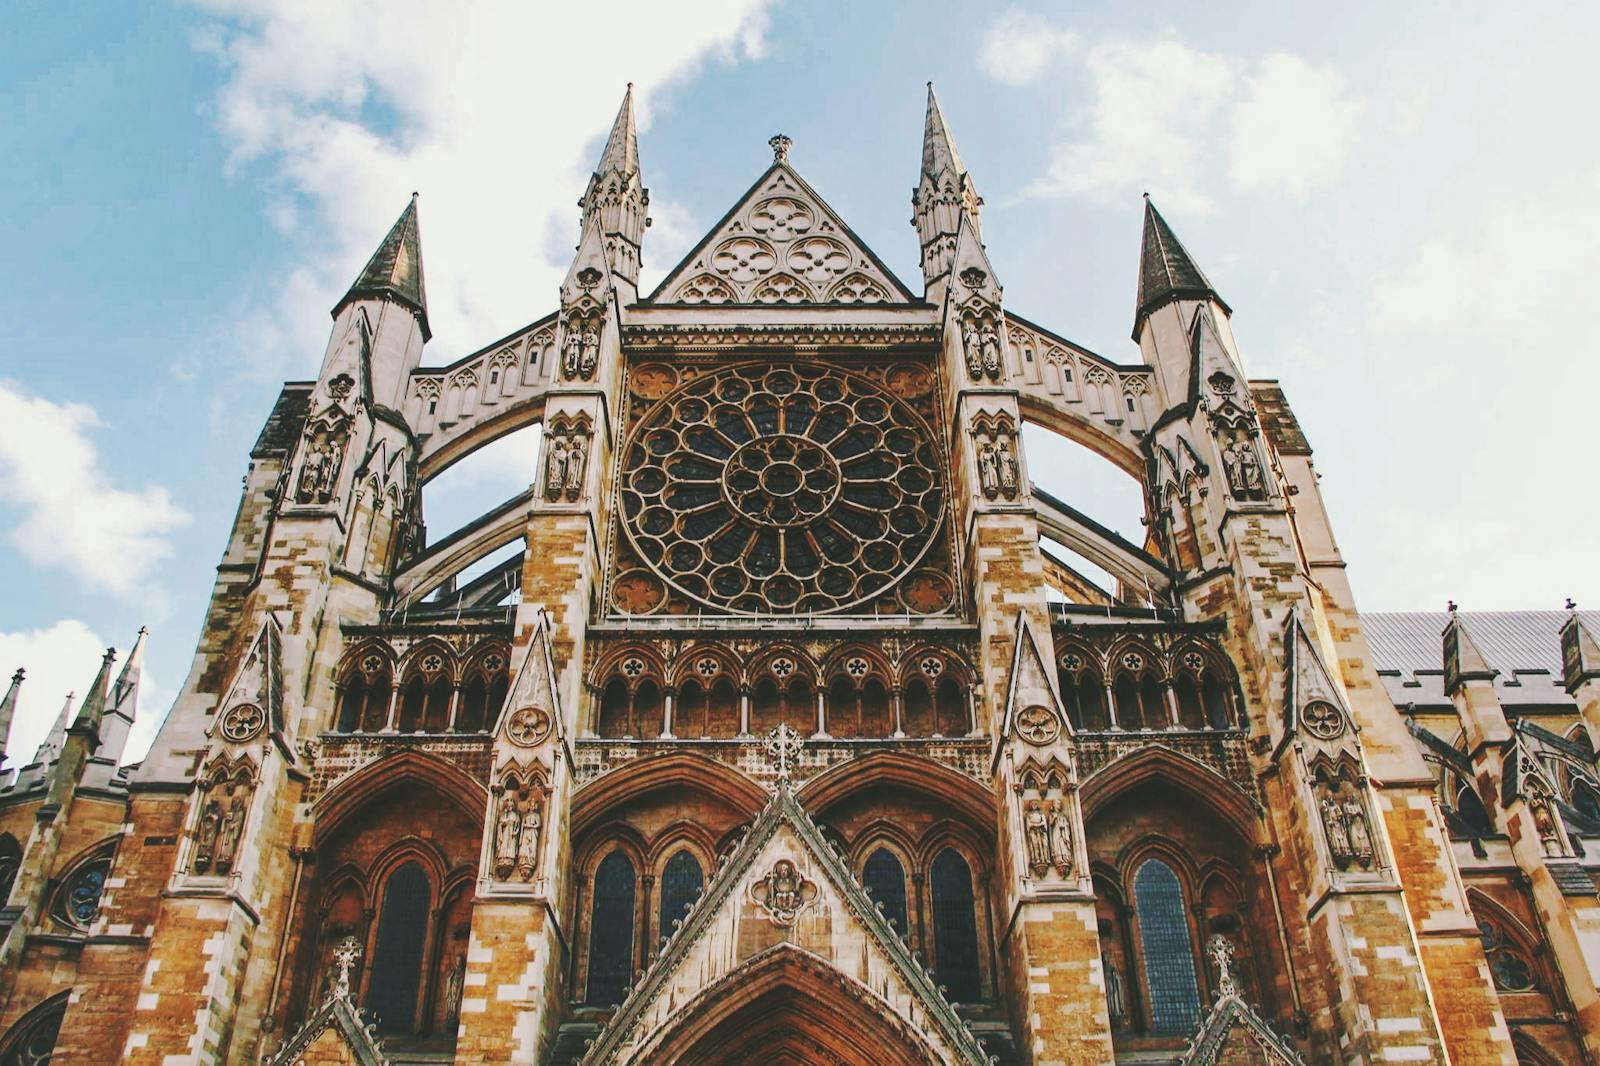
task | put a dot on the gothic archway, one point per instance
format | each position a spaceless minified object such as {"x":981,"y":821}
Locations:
{"x":787,"y":1007}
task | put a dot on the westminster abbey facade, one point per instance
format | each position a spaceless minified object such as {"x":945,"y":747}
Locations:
{"x":787,"y":725}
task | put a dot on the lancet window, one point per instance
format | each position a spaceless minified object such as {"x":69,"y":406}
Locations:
{"x":1166,"y":949}
{"x":397,"y":957}
{"x":611,"y":924}
{"x":434,"y":695}
{"x":884,"y":878}
{"x":955,"y":927}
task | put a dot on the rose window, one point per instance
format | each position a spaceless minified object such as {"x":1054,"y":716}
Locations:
{"x":779,"y":490}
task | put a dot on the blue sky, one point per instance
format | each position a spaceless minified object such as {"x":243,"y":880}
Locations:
{"x":1400,"y":203}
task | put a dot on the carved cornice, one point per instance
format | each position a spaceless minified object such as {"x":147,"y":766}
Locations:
{"x":703,"y":336}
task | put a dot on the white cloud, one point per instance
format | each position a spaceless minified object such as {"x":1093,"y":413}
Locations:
{"x":494,"y":113}
{"x":61,"y":659}
{"x":1184,"y":124}
{"x":1019,"y":46}
{"x":1293,"y":128}
{"x":71,"y":514}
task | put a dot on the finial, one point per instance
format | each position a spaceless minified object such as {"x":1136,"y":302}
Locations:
{"x":784,"y":744}
{"x":1221,"y":950}
{"x":415,"y":194}
{"x":1451,"y":606}
{"x":1572,"y":605}
{"x":344,"y":960}
{"x":110,"y":656}
{"x":16,"y":678}
{"x":780,"y":148}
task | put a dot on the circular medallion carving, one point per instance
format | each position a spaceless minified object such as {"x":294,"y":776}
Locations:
{"x":653,"y":380}
{"x":780,"y":490}
{"x":242,"y":722}
{"x":527,"y":726}
{"x":927,"y":592}
{"x":1323,"y":720}
{"x":637,"y":592}
{"x":1038,"y":725}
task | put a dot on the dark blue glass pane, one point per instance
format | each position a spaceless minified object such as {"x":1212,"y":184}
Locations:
{"x":955,"y":928}
{"x":397,"y":958}
{"x":680,"y":887}
{"x":611,"y":932}
{"x":1167,"y":950}
{"x":885,"y":881}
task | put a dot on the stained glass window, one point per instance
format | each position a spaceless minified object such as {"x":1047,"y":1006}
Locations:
{"x":885,"y":881}
{"x":397,"y":957}
{"x":681,"y":882}
{"x":78,"y":901}
{"x":611,"y":932}
{"x":1167,"y":949}
{"x":955,"y":928}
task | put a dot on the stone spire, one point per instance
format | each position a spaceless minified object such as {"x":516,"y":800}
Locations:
{"x":616,"y":201}
{"x":1463,"y":661}
{"x":395,"y":270}
{"x":1580,"y":651}
{"x":8,"y":711}
{"x":1166,"y":270}
{"x":944,"y":195}
{"x":93,"y":711}
{"x":117,"y":720}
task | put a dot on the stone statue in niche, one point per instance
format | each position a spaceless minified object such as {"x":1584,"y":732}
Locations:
{"x":1544,"y":820}
{"x":1244,"y":470}
{"x":971,"y":347}
{"x":228,"y":835}
{"x":1006,"y":456}
{"x":507,"y":830}
{"x":577,"y":456}
{"x":206,"y":836}
{"x":555,"y":468}
{"x":1344,"y":818}
{"x":319,"y":470}
{"x":991,"y":352}
{"x":528,"y":847}
{"x":1116,"y":998}
{"x":452,"y":989}
{"x":1037,"y":830}
{"x":988,"y":470}
{"x":590,"y":356}
{"x":1061,"y":850}
{"x":1338,"y":836}
{"x":571,"y":351}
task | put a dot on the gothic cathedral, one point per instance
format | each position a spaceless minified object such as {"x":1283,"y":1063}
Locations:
{"x":786,"y":725}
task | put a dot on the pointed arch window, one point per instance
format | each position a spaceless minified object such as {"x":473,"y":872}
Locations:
{"x":1167,"y":949}
{"x":955,"y":928}
{"x":681,"y":883}
{"x":32,"y":1041}
{"x":611,"y":932}
{"x":917,"y":709}
{"x":949,"y":708}
{"x":885,"y":881}
{"x":364,"y":700}
{"x":396,"y":975}
{"x":10,"y":863}
{"x":77,"y":900}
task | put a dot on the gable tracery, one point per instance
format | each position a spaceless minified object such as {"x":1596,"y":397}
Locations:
{"x":780,"y":245}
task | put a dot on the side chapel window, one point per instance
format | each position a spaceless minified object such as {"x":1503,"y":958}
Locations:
{"x":955,"y":928}
{"x":611,"y":932}
{"x":1167,"y":949}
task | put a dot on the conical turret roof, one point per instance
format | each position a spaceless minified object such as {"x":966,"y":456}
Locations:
{"x":1166,"y":270}
{"x":395,"y":269}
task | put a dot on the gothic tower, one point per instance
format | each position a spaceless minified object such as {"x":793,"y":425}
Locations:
{"x":782,"y":717}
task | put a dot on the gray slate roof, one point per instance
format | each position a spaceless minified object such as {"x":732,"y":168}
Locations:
{"x":1525,"y":646}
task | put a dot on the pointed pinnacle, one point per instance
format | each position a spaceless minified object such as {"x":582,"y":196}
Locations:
{"x":1166,"y":270}
{"x":395,"y":269}
{"x":938,"y":146}
{"x":622,"y":146}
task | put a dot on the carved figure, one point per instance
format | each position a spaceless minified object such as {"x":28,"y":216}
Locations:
{"x":1221,"y":950}
{"x":1545,"y":822}
{"x":1036,"y":829}
{"x":591,"y":353}
{"x":506,"y":831}
{"x":228,"y":835}
{"x":1355,"y":819}
{"x":1116,"y":998}
{"x":1244,"y":471}
{"x":991,"y":352}
{"x":783,"y":892}
{"x":555,"y":468}
{"x":311,"y":473}
{"x":988,"y":471}
{"x":528,"y":847}
{"x":971,"y":348}
{"x":1007,"y":459}
{"x":570,"y":352}
{"x":1061,"y":851}
{"x":206,"y":838}
{"x":577,"y":455}
{"x":1338,"y":836}
{"x":452,"y":988}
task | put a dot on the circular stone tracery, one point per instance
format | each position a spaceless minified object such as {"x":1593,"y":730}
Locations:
{"x":800,"y":488}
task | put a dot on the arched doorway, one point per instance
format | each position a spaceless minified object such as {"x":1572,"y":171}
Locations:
{"x":786,"y":1007}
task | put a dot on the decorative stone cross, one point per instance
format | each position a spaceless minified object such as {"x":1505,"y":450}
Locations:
{"x":784,"y":744}
{"x":344,"y":960}
{"x":1221,"y":949}
{"x":780,"y":148}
